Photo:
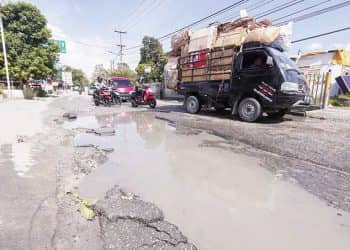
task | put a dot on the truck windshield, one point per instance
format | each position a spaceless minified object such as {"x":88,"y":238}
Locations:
{"x":284,"y":62}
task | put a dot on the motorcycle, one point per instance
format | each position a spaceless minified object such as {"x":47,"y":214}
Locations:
{"x":115,"y":95}
{"x":143,"y":96}
{"x":102,"y":96}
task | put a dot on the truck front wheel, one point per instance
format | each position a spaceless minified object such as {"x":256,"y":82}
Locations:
{"x":192,"y":105}
{"x":249,"y":109}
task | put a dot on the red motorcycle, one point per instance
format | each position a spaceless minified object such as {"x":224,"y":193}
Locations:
{"x":102,"y":96}
{"x":143,"y":96}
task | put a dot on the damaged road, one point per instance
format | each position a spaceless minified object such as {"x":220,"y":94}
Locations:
{"x":170,"y":180}
{"x":129,"y":223}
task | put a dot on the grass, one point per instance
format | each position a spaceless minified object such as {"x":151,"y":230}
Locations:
{"x":340,"y":101}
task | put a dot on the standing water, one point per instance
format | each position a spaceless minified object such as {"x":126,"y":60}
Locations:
{"x":218,"y":198}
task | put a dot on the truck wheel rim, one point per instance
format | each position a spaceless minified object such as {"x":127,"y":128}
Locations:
{"x":248,"y":110}
{"x":192,"y":105}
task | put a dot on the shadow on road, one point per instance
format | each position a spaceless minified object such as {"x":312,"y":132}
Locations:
{"x":226,"y":114}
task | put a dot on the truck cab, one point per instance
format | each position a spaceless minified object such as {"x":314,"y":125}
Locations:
{"x":261,"y":79}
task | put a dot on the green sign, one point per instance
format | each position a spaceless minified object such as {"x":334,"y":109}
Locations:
{"x":62,"y":45}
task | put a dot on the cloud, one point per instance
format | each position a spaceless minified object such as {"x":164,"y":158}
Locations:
{"x":314,"y":46}
{"x":345,"y":46}
{"x":84,"y":53}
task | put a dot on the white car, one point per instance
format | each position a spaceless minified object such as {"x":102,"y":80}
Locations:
{"x":91,"y":90}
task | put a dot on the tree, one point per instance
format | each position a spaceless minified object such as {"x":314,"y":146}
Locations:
{"x":31,"y":52}
{"x":99,"y":71}
{"x":78,"y":76}
{"x":152,"y":55}
{"x":124,"y":70}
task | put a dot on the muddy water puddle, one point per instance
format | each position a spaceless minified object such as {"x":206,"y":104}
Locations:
{"x":19,"y":156}
{"x":219,"y":199}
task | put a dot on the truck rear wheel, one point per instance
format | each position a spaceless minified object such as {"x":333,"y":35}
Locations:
{"x":249,"y":109}
{"x":192,"y":104}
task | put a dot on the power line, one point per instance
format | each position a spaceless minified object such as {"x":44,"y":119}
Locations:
{"x":205,"y":18}
{"x":300,"y":18}
{"x":250,"y":8}
{"x":279,"y":8}
{"x":132,"y":14}
{"x":156,"y":5}
{"x":300,"y":10}
{"x":196,"y":22}
{"x":321,"y":35}
{"x":316,"y":13}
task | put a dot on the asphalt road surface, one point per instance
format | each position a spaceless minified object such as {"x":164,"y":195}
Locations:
{"x":165,"y":179}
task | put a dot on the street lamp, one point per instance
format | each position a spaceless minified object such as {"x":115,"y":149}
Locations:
{"x":5,"y":54}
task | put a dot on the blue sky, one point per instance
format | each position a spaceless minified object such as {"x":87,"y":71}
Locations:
{"x":88,"y":25}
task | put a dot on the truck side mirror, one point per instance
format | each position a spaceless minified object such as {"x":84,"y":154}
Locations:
{"x":269,"y":61}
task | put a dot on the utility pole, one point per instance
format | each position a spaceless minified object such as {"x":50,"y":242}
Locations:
{"x":5,"y":55}
{"x":120,"y":45}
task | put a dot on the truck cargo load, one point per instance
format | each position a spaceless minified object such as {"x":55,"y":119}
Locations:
{"x":208,"y":53}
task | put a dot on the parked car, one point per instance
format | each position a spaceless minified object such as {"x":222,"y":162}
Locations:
{"x":91,"y":90}
{"x":122,"y":85}
{"x":76,"y":88}
{"x":37,"y":84}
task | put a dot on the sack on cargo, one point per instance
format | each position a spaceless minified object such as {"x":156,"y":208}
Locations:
{"x":231,"y":38}
{"x":171,"y":73}
{"x":264,"y":35}
{"x":284,"y":39}
{"x":184,"y":50}
{"x":203,"y":39}
{"x":179,"y":40}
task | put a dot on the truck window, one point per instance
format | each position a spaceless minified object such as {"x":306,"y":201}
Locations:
{"x":254,"y":60}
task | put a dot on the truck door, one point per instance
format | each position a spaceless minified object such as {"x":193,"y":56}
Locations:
{"x":255,"y":75}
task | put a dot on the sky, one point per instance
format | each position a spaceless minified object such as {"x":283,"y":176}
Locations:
{"x":88,"y":26}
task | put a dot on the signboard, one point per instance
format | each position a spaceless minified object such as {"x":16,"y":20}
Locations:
{"x":67,"y":78}
{"x":148,"y":69}
{"x":62,"y":45}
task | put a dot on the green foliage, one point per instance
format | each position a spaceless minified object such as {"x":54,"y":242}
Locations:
{"x":30,"y":50}
{"x":345,"y":97}
{"x":99,"y":71}
{"x":124,"y":70}
{"x":334,"y":102}
{"x":79,"y":77}
{"x":340,"y":101}
{"x":151,"y":55}
{"x":148,"y":77}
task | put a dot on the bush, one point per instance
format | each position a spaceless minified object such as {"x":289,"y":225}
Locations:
{"x":334,"y":102}
{"x":344,"y":97}
{"x":1,"y":91}
{"x":340,"y":101}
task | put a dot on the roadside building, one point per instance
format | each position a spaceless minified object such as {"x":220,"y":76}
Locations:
{"x":316,"y":64}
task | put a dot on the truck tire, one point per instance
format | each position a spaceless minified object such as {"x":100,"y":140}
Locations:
{"x":277,"y":115}
{"x":249,"y":109}
{"x":192,"y":105}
